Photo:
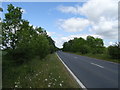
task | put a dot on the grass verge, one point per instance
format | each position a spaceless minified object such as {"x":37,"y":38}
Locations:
{"x":45,"y":73}
{"x":99,"y":56}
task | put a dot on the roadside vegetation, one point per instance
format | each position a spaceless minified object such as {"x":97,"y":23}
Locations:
{"x":98,"y":56}
{"x":21,"y":40}
{"x":93,"y":47}
{"x":28,"y":55}
{"x":38,"y":73}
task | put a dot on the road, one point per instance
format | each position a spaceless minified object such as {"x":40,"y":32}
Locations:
{"x":91,"y":72}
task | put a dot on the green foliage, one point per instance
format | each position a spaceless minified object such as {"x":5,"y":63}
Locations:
{"x":96,"y":45}
{"x":22,"y":41}
{"x":114,"y":51}
{"x":10,"y":25}
{"x":90,"y":45}
{"x":1,"y":10}
{"x":85,"y":49}
{"x":51,"y":44}
{"x":34,"y":74}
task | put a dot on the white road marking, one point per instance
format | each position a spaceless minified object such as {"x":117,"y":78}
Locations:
{"x":97,"y":65}
{"x":81,"y":85}
{"x":75,"y":57}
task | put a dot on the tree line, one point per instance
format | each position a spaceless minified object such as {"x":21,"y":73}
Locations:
{"x":91,"y":45}
{"x":22,"y":41}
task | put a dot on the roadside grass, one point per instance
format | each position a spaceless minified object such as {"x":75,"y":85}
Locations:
{"x":99,"y":56}
{"x":45,"y":73}
{"x":103,"y":57}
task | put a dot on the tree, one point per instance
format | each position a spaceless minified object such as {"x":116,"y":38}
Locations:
{"x":10,"y":25}
{"x":93,"y":45}
{"x":96,"y":45}
{"x":51,"y":44}
{"x":22,"y":41}
{"x":114,"y":51}
{"x":91,"y":41}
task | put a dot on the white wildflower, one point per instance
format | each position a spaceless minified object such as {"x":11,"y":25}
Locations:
{"x":16,"y":85}
{"x":48,"y":85}
{"x":45,"y":79}
{"x":36,"y":74}
{"x":30,"y":87}
{"x":60,"y":84}
{"x":62,"y":81}
{"x":59,"y":76}
{"x":55,"y":79}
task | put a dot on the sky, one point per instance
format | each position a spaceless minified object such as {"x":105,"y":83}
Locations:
{"x":65,"y":20}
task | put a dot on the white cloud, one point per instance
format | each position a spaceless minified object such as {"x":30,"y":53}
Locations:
{"x":105,"y":19}
{"x":50,"y":33}
{"x":69,"y":9}
{"x":73,"y":24}
{"x":111,"y":43}
{"x":106,"y":28}
{"x":102,"y":15}
{"x":94,"y":9}
{"x":58,"y":42}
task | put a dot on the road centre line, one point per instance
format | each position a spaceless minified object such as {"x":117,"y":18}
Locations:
{"x":97,"y":65}
{"x":75,"y":57}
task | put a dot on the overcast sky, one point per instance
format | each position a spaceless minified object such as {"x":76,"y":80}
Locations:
{"x":66,"y":20}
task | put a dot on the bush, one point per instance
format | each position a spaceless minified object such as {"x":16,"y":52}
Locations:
{"x":114,"y":51}
{"x":84,"y":49}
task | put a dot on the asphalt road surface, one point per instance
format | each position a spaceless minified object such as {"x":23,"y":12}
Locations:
{"x":91,"y":72}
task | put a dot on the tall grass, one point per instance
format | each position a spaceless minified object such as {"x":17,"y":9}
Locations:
{"x":45,"y":73}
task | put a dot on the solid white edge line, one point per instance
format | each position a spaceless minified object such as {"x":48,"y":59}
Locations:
{"x":81,"y":85}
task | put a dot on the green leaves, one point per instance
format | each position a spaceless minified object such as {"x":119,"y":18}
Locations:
{"x":91,"y":45}
{"x":10,"y":26}
{"x":1,"y":9}
{"x":21,"y":40}
{"x":114,"y":51}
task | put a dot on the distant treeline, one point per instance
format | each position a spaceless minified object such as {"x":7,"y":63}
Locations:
{"x":91,"y":45}
{"x":22,"y":41}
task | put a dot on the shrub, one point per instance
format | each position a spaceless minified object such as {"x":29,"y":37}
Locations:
{"x":114,"y":51}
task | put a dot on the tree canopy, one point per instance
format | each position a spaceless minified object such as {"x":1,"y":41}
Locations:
{"x":90,"y":45}
{"x":114,"y":51}
{"x":21,"y":40}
